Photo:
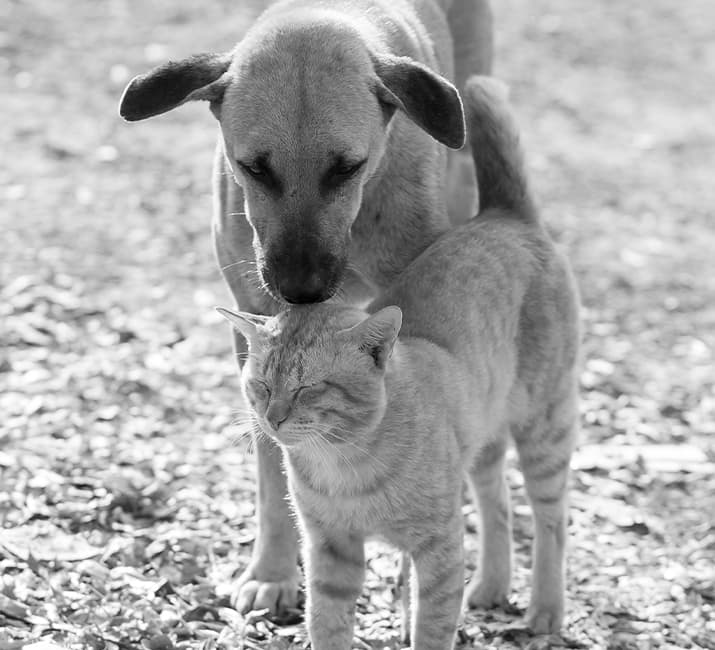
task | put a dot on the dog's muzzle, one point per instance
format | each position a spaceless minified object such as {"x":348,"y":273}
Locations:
{"x":301,"y":276}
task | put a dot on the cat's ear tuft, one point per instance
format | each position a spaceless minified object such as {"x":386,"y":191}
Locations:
{"x":247,"y":324}
{"x":377,"y":334}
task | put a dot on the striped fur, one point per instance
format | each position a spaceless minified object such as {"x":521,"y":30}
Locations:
{"x":378,"y":432}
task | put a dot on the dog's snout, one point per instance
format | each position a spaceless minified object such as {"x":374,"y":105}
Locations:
{"x":308,"y":285}
{"x":302,"y":276}
{"x":304,"y":289}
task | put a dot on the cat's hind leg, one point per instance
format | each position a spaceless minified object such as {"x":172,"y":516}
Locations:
{"x":490,"y":587}
{"x":545,"y":449}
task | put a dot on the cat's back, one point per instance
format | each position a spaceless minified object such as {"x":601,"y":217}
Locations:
{"x":468,"y":286}
{"x":497,"y":295}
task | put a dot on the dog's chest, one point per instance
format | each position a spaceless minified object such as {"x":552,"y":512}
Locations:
{"x":399,"y":218}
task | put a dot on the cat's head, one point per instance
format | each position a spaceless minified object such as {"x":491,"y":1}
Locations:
{"x":317,"y":371}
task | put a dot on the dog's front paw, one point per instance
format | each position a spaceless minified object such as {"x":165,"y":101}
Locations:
{"x":254,"y":592}
{"x":545,"y":619}
{"x":485,"y":594}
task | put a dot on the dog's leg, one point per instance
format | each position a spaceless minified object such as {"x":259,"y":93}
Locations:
{"x":271,"y":580}
{"x":405,"y":596}
{"x":471,"y":25}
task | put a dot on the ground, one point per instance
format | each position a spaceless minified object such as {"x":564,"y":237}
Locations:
{"x":125,"y":506}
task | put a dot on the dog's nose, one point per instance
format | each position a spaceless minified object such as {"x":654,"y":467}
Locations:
{"x":301,"y":275}
{"x":304,"y":289}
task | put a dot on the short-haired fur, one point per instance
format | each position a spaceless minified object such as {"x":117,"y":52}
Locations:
{"x":378,"y":431}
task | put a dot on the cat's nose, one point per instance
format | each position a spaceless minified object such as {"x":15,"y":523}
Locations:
{"x":277,"y":412}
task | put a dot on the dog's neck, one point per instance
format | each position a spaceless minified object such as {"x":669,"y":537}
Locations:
{"x":403,"y":211}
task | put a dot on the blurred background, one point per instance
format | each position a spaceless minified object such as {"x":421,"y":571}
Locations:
{"x":125,"y":504}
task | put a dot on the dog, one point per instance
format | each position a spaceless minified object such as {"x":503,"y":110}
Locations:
{"x":330,"y":174}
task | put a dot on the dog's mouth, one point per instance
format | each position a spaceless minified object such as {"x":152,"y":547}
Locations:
{"x":303,"y":279}
{"x":308,"y":295}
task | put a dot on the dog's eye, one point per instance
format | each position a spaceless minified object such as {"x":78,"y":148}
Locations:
{"x":341,"y":172}
{"x":256,"y":168}
{"x":261,"y":172}
{"x":346,"y":169}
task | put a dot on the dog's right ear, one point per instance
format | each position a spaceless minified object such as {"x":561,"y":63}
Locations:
{"x":173,"y":83}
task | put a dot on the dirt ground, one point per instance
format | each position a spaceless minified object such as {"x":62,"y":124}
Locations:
{"x":125,"y":507}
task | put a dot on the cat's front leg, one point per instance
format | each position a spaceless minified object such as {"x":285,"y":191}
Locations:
{"x":335,"y":568}
{"x":438,"y":586}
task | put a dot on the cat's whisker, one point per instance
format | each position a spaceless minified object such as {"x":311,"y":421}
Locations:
{"x":243,"y":411}
{"x":251,"y":274}
{"x":237,"y":263}
{"x":243,"y":408}
{"x":242,"y":422}
{"x":335,"y":432}
{"x":347,"y":461}
{"x":247,"y":430}
{"x":320,"y":452}
{"x":377,"y":461}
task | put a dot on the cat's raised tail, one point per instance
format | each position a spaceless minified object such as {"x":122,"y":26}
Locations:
{"x":498,"y":158}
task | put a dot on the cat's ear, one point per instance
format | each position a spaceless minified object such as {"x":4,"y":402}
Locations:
{"x":247,"y":324}
{"x":377,"y":334}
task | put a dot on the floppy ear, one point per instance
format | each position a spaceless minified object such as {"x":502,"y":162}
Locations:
{"x":377,"y":334}
{"x":427,"y":98}
{"x":246,"y":324}
{"x":172,"y":84}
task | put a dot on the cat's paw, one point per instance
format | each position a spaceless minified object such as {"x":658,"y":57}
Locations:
{"x":253,"y":592}
{"x":545,"y":619}
{"x":485,"y":594}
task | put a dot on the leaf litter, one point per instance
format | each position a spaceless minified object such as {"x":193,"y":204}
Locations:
{"x":126,"y":507}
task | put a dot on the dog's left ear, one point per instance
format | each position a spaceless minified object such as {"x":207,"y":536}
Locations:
{"x":427,"y":98}
{"x":173,"y":83}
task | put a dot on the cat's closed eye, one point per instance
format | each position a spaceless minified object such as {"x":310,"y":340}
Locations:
{"x":258,"y":390}
{"x":306,"y":393}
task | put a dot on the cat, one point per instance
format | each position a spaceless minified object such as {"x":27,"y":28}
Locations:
{"x":379,"y":430}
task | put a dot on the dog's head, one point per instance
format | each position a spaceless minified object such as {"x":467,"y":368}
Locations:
{"x":305,"y":110}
